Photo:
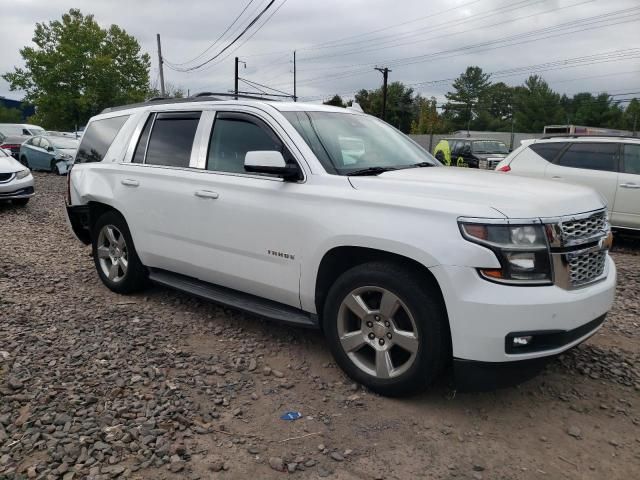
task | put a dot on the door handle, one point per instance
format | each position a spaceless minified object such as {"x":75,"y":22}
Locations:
{"x":556,"y":177}
{"x":130,"y":182}
{"x":629,"y":185}
{"x":206,"y":194}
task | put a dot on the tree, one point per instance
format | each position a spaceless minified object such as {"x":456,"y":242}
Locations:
{"x":336,"y":101}
{"x":631,"y":117}
{"x":78,"y":68}
{"x":170,"y":91}
{"x":401,"y":108}
{"x":464,"y":101}
{"x":10,"y":115}
{"x":428,"y":120}
{"x":537,"y":105}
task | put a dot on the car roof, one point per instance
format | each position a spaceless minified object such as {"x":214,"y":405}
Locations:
{"x":586,"y":138}
{"x":474,"y":139}
{"x":204,"y":101}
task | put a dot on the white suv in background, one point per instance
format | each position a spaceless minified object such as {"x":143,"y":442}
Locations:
{"x":610,"y":165}
{"x":329,"y":218}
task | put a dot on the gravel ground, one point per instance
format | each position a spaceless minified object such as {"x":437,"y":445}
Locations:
{"x":163,"y":385}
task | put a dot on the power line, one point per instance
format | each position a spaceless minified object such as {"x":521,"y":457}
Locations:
{"x":246,"y":39}
{"x":216,"y":40}
{"x":493,"y":44}
{"x":251,"y":24}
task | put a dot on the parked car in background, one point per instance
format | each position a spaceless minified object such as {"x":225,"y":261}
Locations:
{"x":61,"y":134}
{"x":13,"y":143}
{"x":471,"y":152}
{"x":25,"y":129}
{"x":610,"y":165}
{"x":51,"y":153}
{"x":16,"y":181}
{"x":328,"y":218}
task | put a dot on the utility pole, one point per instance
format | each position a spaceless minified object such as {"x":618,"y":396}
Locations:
{"x":235,"y":80}
{"x":160,"y":66}
{"x":513,"y":121}
{"x":385,"y":75}
{"x":295,"y":97}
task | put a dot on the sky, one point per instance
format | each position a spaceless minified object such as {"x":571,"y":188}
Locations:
{"x":576,"y":45}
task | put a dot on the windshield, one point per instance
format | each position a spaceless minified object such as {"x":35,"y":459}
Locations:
{"x":62,"y":142}
{"x":36,"y":130}
{"x":347,"y":143}
{"x":489,"y":146}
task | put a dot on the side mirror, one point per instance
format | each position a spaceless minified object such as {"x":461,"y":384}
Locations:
{"x":49,"y":149}
{"x":270,"y":162}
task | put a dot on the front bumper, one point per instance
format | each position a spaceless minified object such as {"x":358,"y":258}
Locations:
{"x":15,"y":189}
{"x":483,"y":315}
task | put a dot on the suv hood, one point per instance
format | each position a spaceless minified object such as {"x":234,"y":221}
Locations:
{"x":10,"y":165}
{"x":514,"y":197}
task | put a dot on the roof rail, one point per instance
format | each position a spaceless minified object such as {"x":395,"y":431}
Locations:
{"x":198,"y":97}
{"x":586,"y":136}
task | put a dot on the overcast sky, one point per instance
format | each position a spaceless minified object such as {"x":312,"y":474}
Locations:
{"x":338,"y":42}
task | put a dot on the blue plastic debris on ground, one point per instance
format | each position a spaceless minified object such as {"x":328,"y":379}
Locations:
{"x":290,"y":416}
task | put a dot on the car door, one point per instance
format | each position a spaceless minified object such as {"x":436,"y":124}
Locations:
{"x":594,"y":164}
{"x":155,"y":190}
{"x":36,"y":154}
{"x":44,"y":155}
{"x":247,"y":236}
{"x":626,"y":210}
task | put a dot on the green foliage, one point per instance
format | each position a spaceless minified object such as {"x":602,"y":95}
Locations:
{"x":428,"y":120}
{"x":10,"y":115}
{"x":401,"y":106}
{"x":78,"y":68}
{"x":467,"y":98}
{"x":631,"y":116}
{"x":335,"y":101}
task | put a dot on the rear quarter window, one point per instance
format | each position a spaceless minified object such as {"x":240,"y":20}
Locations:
{"x":98,"y":137}
{"x":548,"y":151}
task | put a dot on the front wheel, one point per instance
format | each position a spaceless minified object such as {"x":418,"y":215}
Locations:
{"x":20,"y":202}
{"x":386,"y":328}
{"x":115,"y":256}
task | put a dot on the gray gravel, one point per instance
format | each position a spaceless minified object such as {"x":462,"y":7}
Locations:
{"x":96,"y":385}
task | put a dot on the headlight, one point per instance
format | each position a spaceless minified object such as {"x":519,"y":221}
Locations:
{"x":23,"y":173}
{"x":522,"y":251}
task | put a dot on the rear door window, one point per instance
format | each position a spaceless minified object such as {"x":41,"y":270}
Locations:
{"x":98,"y":137}
{"x":631,"y":159}
{"x":172,"y":138}
{"x":591,"y":156}
{"x":548,"y":151}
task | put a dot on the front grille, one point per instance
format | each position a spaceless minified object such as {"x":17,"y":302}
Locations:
{"x":586,"y":268}
{"x":5,"y":177}
{"x":573,"y":230}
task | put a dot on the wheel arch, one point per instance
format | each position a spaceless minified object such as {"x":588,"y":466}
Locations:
{"x":342,"y":258}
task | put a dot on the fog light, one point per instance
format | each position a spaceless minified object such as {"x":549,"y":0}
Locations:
{"x":522,"y":341}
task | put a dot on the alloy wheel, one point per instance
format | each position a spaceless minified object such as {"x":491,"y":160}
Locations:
{"x":112,"y":253}
{"x":377,"y":331}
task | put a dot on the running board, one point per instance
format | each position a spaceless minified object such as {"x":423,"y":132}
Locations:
{"x":234,"y":299}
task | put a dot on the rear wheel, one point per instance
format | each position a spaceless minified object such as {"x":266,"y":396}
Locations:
{"x":386,"y":329}
{"x":21,"y":202}
{"x":24,"y":161}
{"x":115,"y":256}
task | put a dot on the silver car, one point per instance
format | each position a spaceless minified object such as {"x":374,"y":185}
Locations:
{"x":16,"y":181}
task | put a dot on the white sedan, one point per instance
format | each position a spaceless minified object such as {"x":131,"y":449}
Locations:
{"x":16,"y":181}
{"x":610,"y":165}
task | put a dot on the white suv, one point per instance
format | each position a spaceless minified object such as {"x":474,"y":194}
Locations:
{"x":610,"y":165}
{"x":328,"y":218}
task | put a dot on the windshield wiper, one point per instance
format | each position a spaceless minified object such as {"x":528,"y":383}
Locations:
{"x":370,"y":171}
{"x":422,"y":164}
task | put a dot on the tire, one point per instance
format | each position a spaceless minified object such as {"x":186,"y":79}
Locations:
{"x":416,"y":360}
{"x":24,"y":161}
{"x":56,"y":169}
{"x":20,"y":202}
{"x":109,"y":251}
